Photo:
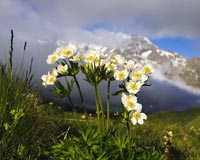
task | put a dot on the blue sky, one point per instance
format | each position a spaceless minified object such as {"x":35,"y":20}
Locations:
{"x":171,"y":25}
{"x":184,"y":46}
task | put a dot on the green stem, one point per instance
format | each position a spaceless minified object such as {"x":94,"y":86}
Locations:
{"x":108,"y":105}
{"x":129,"y":131}
{"x":82,"y":99}
{"x":121,"y":154}
{"x":97,"y":105}
{"x":75,"y":114}
{"x":99,"y":100}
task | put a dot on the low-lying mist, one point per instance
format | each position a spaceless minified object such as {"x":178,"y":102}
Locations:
{"x":160,"y":96}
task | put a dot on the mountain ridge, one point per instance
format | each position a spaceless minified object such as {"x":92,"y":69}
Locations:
{"x":172,"y":64}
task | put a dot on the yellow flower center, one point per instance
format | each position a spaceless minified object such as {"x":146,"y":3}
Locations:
{"x":137,"y":74}
{"x":52,"y":80}
{"x":91,"y":58}
{"x":53,"y":58}
{"x":121,"y":75}
{"x":97,"y":61}
{"x":111,"y":66}
{"x":131,"y":104}
{"x":67,"y":52}
{"x":147,"y":70}
{"x":137,"y":115}
{"x":133,"y":87}
{"x":113,"y":59}
{"x":129,"y":97}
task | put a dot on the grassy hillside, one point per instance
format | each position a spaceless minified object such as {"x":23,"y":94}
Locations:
{"x":185,"y":126}
{"x":182,"y":117}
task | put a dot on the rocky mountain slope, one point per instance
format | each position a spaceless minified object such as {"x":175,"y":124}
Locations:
{"x":171,"y":64}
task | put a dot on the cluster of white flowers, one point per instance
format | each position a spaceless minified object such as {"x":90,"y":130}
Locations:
{"x":133,"y":75}
{"x":62,"y":52}
{"x":136,"y":79}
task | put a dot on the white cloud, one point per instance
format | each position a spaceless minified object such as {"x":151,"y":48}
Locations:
{"x":51,"y":22}
{"x":41,"y":42}
{"x":57,"y":19}
{"x":176,"y":81}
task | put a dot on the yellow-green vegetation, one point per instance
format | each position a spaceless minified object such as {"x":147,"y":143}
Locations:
{"x":185,"y":126}
{"x":165,"y":135}
{"x":25,"y":129}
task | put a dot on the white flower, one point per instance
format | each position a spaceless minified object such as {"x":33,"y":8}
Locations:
{"x":148,"y":69}
{"x":117,"y":59}
{"x":54,"y":72}
{"x":90,"y":56}
{"x":62,"y":68}
{"x":103,"y":56}
{"x":110,"y":66}
{"x":133,"y":86}
{"x":98,"y":62}
{"x":130,"y":102}
{"x":170,"y":133}
{"x":121,"y":74}
{"x":129,"y":64}
{"x":66,"y":51}
{"x":138,"y":76}
{"x":44,"y":79}
{"x":52,"y":58}
{"x":137,"y":117}
{"x":125,"y":98}
{"x":76,"y":58}
{"x":58,"y":51}
{"x":48,"y":79}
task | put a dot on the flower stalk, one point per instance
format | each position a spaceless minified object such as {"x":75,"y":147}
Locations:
{"x":75,"y":114}
{"x":99,"y":108}
{"x":108,"y":105}
{"x":82,"y":99}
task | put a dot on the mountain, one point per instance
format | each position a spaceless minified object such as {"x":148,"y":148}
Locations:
{"x":171,"y":65}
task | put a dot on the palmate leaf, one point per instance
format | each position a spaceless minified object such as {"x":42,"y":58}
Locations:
{"x":118,"y":92}
{"x":95,"y":74}
{"x":61,"y":91}
{"x":124,"y":114}
{"x":73,"y":69}
{"x":123,"y":89}
{"x":145,"y":84}
{"x":70,"y":86}
{"x":122,"y":85}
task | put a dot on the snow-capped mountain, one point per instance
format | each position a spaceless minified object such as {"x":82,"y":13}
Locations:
{"x":171,"y":65}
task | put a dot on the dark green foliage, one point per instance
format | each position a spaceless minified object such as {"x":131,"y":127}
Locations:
{"x":92,"y":145}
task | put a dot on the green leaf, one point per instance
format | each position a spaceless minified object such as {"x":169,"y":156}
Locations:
{"x":61,"y":91}
{"x":118,"y":93}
